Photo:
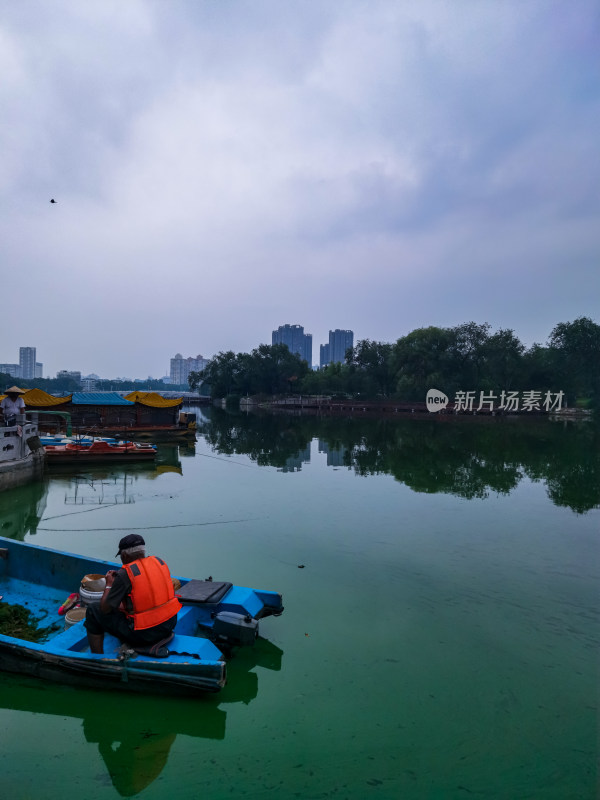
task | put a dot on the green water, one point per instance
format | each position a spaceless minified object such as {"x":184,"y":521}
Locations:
{"x":440,"y":641}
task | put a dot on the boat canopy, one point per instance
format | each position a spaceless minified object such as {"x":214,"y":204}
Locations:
{"x":154,"y":399}
{"x":41,"y":399}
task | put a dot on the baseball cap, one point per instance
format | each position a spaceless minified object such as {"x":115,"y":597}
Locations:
{"x":131,"y":540}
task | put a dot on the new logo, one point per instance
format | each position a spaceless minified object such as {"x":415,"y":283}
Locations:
{"x":436,"y":400}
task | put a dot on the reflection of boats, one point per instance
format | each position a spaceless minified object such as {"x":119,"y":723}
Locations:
{"x":135,"y":737}
{"x":98,"y":450}
{"x":167,"y":460}
{"x":213,"y":613}
{"x":156,"y":433}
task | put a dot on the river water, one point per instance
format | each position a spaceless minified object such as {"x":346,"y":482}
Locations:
{"x":440,"y":634}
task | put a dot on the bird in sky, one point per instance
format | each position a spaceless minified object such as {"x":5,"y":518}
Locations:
{"x":53,"y":200}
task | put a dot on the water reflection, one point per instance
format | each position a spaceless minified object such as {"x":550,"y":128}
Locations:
{"x":135,"y":733}
{"x":22,"y":509}
{"x":469,"y":458}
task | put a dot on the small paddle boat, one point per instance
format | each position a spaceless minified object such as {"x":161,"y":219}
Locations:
{"x":215,"y":619}
{"x":99,"y":451}
{"x":61,"y":439}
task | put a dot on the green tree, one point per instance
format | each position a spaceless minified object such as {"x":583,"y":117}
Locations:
{"x":575,"y":347}
{"x":467,"y":353}
{"x":268,"y":369}
{"x":422,"y":360}
{"x":539,"y":369}
{"x":220,"y":373}
{"x":195,"y":378}
{"x":501,"y":360}
{"x":372,"y":361}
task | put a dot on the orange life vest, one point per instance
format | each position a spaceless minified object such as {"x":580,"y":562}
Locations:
{"x":152,"y":596}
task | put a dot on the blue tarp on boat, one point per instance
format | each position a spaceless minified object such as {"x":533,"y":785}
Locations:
{"x":99,"y":399}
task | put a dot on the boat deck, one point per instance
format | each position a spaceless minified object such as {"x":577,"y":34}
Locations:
{"x":43,"y":602}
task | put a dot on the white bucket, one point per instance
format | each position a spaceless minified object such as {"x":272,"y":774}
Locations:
{"x":74,"y":616}
{"x":88,"y":597}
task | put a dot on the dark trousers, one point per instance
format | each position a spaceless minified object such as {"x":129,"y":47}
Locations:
{"x":119,"y":625}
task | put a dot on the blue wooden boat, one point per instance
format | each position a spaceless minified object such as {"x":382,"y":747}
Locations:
{"x":216,"y":618}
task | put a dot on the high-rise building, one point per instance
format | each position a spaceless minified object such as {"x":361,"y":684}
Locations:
{"x":14,"y":370}
{"x":296,"y":340}
{"x":27,"y":362}
{"x":181,"y":367}
{"x":339,"y":342}
{"x":67,"y":373}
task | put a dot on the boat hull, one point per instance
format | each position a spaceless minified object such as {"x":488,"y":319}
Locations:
{"x":110,"y":674}
{"x":97,"y":458}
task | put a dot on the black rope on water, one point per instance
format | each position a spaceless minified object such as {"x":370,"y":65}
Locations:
{"x":85,"y":511}
{"x":154,"y":527}
{"x":229,"y":461}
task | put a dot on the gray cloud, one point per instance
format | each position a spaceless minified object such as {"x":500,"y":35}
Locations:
{"x":223,"y":168}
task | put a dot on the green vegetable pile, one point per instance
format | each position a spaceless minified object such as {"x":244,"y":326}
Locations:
{"x":18,"y":621}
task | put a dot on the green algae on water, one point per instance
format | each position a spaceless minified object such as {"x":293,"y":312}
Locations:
{"x":18,"y":621}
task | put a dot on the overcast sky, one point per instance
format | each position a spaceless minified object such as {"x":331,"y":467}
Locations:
{"x":224,"y":167}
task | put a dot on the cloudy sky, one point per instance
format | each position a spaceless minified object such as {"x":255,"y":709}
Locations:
{"x":223,"y":167}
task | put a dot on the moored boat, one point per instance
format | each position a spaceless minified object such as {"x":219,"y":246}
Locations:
{"x":60,"y":439}
{"x":215,"y":618}
{"x":99,"y":451}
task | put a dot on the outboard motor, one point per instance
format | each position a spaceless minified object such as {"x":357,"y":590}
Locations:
{"x":234,"y":629}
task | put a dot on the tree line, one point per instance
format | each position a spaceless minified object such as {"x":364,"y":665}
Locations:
{"x":68,"y":384}
{"x":465,"y":357}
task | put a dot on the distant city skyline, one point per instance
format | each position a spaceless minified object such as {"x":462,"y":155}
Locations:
{"x":196,"y":362}
{"x":90,"y":370}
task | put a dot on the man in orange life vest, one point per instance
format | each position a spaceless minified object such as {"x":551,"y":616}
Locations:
{"x":138,"y":605}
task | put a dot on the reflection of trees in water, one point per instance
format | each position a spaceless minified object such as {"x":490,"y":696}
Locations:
{"x":268,"y":440}
{"x":134,"y":733}
{"x":466,"y":457}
